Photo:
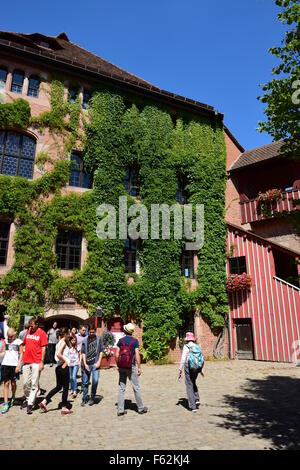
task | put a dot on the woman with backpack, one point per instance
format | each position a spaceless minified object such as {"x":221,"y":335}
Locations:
{"x":192,"y":361}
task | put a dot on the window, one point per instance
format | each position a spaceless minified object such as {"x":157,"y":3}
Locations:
{"x":181,"y":195}
{"x":17,"y":152}
{"x":72,"y":95}
{"x":286,"y":267}
{"x":130,"y":256}
{"x":3,"y":76}
{"x":17,"y":82}
{"x":68,"y":249}
{"x":79,"y":177}
{"x":132,"y":183}
{"x":237,"y":265}
{"x":4,"y":236}
{"x":85,"y":99}
{"x":187,"y":264}
{"x":187,"y":325}
{"x":33,"y":87}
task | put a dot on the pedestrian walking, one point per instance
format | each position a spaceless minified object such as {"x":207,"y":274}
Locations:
{"x":91,"y":353}
{"x":10,"y":367}
{"x":35,"y":343}
{"x":192,"y":362}
{"x":129,"y":365}
{"x":52,"y":341}
{"x":62,"y":373}
{"x":80,"y":337}
{"x":73,"y":331}
{"x":2,"y":350}
{"x":74,"y":364}
{"x":21,"y":336}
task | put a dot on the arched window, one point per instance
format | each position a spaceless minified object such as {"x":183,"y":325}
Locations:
{"x":3,"y":77}
{"x":17,"y":81}
{"x":85,"y":99}
{"x":17,"y":152}
{"x":187,"y":264}
{"x":33,"y":86}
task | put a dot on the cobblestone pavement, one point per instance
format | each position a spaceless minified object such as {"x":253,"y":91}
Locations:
{"x":244,"y":405}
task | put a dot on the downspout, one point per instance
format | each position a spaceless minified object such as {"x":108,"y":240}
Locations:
{"x":229,"y":335}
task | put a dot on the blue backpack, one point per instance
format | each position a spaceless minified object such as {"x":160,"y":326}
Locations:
{"x":195,"y":357}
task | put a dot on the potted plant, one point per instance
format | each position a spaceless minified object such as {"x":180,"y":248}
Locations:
{"x":237,"y":282}
{"x":108,"y":340}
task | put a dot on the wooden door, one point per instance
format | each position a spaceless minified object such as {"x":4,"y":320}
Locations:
{"x":244,"y":349}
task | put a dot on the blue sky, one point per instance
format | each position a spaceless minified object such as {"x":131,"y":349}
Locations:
{"x":214,"y":51}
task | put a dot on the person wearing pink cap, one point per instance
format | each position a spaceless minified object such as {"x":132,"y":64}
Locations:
{"x":190,"y":374}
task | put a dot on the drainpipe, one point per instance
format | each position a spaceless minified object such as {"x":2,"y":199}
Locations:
{"x":229,"y":335}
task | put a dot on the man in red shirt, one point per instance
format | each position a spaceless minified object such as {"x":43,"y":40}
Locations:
{"x":35,"y":343}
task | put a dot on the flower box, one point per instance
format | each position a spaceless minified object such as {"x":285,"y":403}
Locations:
{"x":238,"y":282}
{"x":270,"y":196}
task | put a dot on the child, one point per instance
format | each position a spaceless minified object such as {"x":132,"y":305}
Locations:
{"x":11,"y":366}
{"x":191,"y":374}
{"x":73,"y":366}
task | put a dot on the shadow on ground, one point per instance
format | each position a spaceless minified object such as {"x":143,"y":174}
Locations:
{"x":270,"y":409}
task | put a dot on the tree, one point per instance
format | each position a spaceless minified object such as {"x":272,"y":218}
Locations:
{"x":282,"y":94}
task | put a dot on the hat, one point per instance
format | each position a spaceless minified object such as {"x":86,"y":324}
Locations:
{"x":189,"y":336}
{"x":129,"y":328}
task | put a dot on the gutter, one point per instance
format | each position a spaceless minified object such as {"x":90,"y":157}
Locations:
{"x":138,"y":88}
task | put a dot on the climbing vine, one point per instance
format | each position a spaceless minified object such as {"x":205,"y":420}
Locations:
{"x":118,"y":135}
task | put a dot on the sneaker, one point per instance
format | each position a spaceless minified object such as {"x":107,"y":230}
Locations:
{"x":74,"y":394}
{"x":91,"y":401}
{"x":197,"y":404}
{"x":11,"y":402}
{"x":121,"y":413}
{"x":144,"y":410}
{"x":5,"y":408}
{"x":23,"y":405}
{"x":194,"y":411}
{"x":43,"y":407}
{"x":51,"y":365}
{"x":66,"y":412}
{"x":83,"y":403}
{"x":29,"y":409}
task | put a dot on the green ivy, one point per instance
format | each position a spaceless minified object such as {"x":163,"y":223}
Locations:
{"x":118,"y":135}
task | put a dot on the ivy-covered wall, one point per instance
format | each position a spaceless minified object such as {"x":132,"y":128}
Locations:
{"x":118,"y":134}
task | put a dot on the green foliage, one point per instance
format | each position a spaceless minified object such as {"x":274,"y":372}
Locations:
{"x":15,"y":114}
{"x":117,"y":137}
{"x":282,"y":112}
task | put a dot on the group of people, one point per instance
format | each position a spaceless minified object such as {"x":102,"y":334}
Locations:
{"x":71,"y":350}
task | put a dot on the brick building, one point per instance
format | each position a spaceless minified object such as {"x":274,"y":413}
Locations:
{"x":28,"y":65}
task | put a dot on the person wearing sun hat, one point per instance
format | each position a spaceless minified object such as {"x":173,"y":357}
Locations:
{"x":129,"y":365}
{"x":190,"y":374}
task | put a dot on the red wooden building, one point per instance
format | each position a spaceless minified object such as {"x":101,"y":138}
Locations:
{"x":264,"y":321}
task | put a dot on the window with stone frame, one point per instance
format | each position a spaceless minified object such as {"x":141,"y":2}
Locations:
{"x":187,"y":325}
{"x":17,"y":153}
{"x":79,"y":177}
{"x":72,"y":95}
{"x":4,"y":239}
{"x":130,"y":256}
{"x":85,"y":99}
{"x":181,"y":193}
{"x":17,"y":81}
{"x":3,"y":77}
{"x":33,"y":86}
{"x":68,"y":249}
{"x":132,"y":180}
{"x":187,"y":264}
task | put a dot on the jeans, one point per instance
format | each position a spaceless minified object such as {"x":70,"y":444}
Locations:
{"x":62,"y":382}
{"x":133,"y":377}
{"x":73,"y":377}
{"x":191,"y":386}
{"x":31,"y":375}
{"x":51,"y":353}
{"x":85,"y":375}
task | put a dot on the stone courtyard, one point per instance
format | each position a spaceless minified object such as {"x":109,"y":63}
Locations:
{"x":244,"y":405}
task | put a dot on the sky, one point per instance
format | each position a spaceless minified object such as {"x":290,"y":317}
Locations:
{"x":213,"y":51}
